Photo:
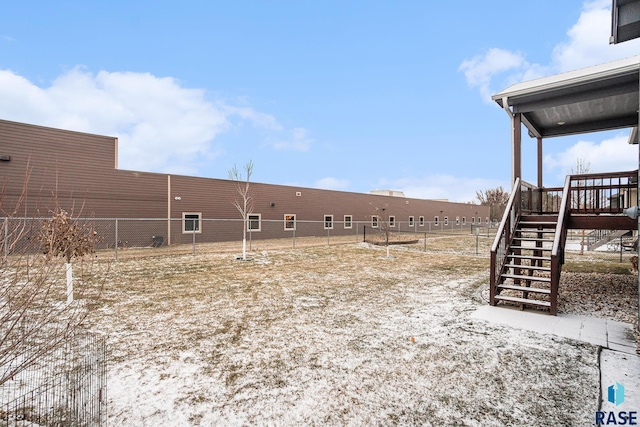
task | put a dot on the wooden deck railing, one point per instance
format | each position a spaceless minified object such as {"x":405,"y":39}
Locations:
{"x":593,"y":193}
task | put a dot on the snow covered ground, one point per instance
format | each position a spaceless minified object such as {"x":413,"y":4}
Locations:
{"x":338,"y":335}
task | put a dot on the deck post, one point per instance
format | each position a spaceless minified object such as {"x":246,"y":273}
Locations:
{"x":539,"y":162}
{"x":492,"y":280}
{"x":540,"y":184}
{"x":555,"y":279}
{"x":516,"y":147}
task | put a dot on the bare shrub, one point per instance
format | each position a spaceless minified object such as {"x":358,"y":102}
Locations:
{"x":63,"y":236}
{"x":35,"y":319}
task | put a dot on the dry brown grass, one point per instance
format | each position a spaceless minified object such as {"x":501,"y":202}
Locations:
{"x":322,"y":335}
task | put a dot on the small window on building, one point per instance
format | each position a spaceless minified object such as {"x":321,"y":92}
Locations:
{"x":410,"y":221}
{"x":374,"y":221}
{"x":392,"y":221}
{"x":457,"y":220}
{"x":348,"y":221}
{"x":254,"y":222}
{"x":436,"y":220}
{"x":473,"y":220}
{"x":328,"y":222}
{"x":486,"y":220}
{"x":464,"y":220}
{"x":446,"y":220}
{"x":421,"y":221}
{"x":290,"y":222}
{"x":191,"y":222}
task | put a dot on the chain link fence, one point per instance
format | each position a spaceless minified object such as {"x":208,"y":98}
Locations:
{"x":133,"y":237}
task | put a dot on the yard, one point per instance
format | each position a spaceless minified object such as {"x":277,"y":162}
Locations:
{"x":342,"y":335}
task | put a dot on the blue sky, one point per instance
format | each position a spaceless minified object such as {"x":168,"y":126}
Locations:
{"x":352,"y":96}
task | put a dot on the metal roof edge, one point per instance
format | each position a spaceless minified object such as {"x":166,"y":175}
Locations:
{"x":569,"y":78}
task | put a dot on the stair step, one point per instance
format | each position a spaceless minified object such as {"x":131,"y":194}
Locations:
{"x":538,"y":217}
{"x":525,"y":289}
{"x":537,"y":227}
{"x":532,"y":239}
{"x":537,"y":222}
{"x":528,"y":267}
{"x":543,"y":258}
{"x":531,"y":248}
{"x":521,"y":277}
{"x":523,"y":300}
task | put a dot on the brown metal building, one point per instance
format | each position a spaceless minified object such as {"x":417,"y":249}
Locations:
{"x":79,"y":172}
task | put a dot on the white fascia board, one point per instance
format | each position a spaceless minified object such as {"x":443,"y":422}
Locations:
{"x":583,"y":75}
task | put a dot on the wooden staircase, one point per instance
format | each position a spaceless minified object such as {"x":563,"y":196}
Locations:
{"x":525,"y":279}
{"x":527,"y":254}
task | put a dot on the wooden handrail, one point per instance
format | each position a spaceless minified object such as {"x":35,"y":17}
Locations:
{"x":562,"y":216}
{"x":503,"y":236}
{"x":559,"y":240}
{"x":505,"y":215}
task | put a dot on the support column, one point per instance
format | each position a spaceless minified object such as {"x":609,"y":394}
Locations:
{"x":540,"y":207}
{"x":539,"y":162}
{"x":516,"y":147}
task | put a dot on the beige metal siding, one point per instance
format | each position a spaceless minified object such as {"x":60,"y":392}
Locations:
{"x":76,"y":170}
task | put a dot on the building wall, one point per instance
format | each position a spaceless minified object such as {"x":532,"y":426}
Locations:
{"x":77,"y":171}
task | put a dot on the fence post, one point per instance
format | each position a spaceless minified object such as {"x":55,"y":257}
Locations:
{"x":116,"y":239}
{"x":328,"y":233}
{"x":194,"y":240}
{"x":294,"y":236}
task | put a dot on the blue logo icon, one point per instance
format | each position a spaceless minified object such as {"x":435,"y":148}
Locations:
{"x":615,"y":393}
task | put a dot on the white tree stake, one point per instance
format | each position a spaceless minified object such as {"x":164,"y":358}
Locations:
{"x":69,"y":283}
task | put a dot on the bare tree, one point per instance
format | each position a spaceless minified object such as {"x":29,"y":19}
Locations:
{"x":581,"y":196}
{"x":245,"y":203}
{"x":496,"y":199}
{"x":35,"y":319}
{"x":384,"y":225}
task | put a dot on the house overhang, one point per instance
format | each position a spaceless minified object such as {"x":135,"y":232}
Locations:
{"x":599,"y":98}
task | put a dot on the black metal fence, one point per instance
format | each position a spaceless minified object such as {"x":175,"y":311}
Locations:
{"x":66,"y":387}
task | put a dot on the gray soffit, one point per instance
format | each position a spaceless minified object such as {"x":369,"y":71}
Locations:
{"x":598,"y":98}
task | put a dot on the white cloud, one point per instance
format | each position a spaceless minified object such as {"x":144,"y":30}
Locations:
{"x":614,"y":154}
{"x":587,"y":44}
{"x":259,"y":119}
{"x":297,"y":141}
{"x":330,"y":183}
{"x":455,"y":189}
{"x":161,"y":125}
{"x":480,"y":69}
